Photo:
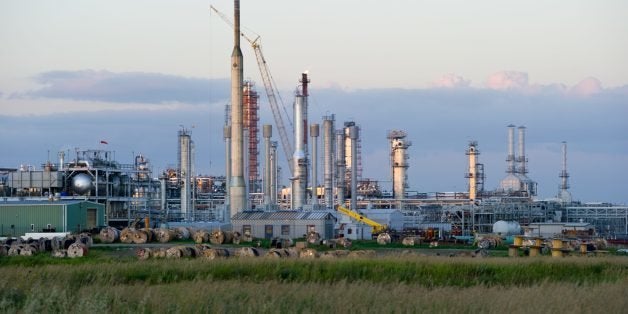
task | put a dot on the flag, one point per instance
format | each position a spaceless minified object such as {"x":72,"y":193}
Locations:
{"x":103,"y":142}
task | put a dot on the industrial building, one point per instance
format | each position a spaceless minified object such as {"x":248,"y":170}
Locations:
{"x":19,"y":217}
{"x":284,"y":224}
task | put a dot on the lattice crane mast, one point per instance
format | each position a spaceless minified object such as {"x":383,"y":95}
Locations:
{"x":271,"y":90}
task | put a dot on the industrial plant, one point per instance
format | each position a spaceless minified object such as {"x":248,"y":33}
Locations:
{"x":255,"y":196}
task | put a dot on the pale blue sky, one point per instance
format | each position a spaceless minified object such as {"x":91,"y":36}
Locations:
{"x":350,"y":43}
{"x":75,"y":72}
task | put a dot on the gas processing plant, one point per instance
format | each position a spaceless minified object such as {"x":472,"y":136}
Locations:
{"x":331,"y":198}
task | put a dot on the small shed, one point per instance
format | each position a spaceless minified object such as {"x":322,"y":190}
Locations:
{"x":20,"y":217}
{"x":284,"y":224}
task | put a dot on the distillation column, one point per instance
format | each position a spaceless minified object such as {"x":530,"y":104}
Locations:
{"x":510,"y":159}
{"x":399,"y":159}
{"x":227,"y":137}
{"x":475,"y":175}
{"x":237,"y":193}
{"x":314,"y":132}
{"x":521,"y":159}
{"x":328,"y":164}
{"x":353,"y":134}
{"x":340,"y":167}
{"x":299,"y":182}
{"x":250,"y":123}
{"x":273,"y":172}
{"x":185,"y":168}
{"x":267,"y":132}
{"x":564,"y":194}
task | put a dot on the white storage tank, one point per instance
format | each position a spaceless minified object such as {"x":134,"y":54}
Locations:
{"x":503,"y":227}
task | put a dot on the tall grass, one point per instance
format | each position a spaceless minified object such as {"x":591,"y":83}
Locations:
{"x":402,"y":284}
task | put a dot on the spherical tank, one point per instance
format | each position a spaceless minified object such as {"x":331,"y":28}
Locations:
{"x":82,"y":183}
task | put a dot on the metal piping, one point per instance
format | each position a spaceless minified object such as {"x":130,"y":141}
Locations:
{"x":238,"y":195}
{"x":314,"y":133}
{"x":267,"y":132}
{"x":328,"y":164}
{"x":354,"y":134}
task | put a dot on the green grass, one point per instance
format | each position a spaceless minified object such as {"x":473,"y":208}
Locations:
{"x":389,"y":284}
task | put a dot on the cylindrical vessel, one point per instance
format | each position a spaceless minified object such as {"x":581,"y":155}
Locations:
{"x":237,"y":195}
{"x":354,"y":134}
{"x":511,"y":149}
{"x":227,"y":137}
{"x":273,"y":172}
{"x":299,"y":182}
{"x":340,"y":167}
{"x":314,"y":132}
{"x":522,"y":151}
{"x":185,"y":167}
{"x":328,"y":164}
{"x":267,"y":132}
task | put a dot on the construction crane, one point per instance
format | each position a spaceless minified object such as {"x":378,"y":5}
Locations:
{"x":377,"y":227}
{"x":271,"y":90}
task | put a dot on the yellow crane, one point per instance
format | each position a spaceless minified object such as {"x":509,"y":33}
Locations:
{"x":377,"y":227}
{"x":271,"y":90}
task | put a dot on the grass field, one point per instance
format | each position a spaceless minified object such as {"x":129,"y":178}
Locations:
{"x":101,"y":283}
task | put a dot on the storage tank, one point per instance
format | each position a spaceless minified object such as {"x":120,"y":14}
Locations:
{"x":503,"y":227}
{"x":82,"y":183}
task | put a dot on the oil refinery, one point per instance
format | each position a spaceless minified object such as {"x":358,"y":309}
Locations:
{"x":331,"y":198}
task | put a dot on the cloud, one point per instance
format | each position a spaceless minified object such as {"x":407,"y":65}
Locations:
{"x":129,"y":87}
{"x":439,"y":122}
{"x":587,"y":87}
{"x":507,"y":80}
{"x":450,"y":80}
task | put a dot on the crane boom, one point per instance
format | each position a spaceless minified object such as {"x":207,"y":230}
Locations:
{"x":270,"y":91}
{"x":377,"y":227}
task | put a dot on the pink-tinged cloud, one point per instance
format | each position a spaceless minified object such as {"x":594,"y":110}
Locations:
{"x":587,"y":87}
{"x":506,"y":80}
{"x":451,"y":80}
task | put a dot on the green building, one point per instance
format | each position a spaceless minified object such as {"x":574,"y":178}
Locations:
{"x":19,"y":217}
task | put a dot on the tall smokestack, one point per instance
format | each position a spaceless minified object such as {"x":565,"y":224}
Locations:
{"x":238,"y":188}
{"x":328,"y":164}
{"x":353,"y":134}
{"x":314,"y":132}
{"x":510,"y":159}
{"x":267,"y":132}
